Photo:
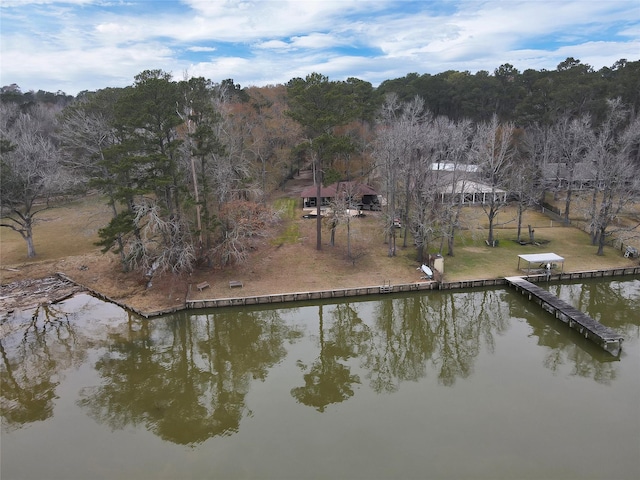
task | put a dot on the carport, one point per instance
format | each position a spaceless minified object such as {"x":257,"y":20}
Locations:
{"x":541,"y":260}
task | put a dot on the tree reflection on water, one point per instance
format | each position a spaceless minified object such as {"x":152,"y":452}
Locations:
{"x":329,"y":381}
{"x":40,"y":346}
{"x":442,"y":331}
{"x":186,"y":377}
{"x":607,"y":302}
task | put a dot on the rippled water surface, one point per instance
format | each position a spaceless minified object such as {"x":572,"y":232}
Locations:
{"x":464,"y":384}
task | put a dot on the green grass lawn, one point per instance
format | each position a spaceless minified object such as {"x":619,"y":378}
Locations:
{"x":474,"y":259}
{"x":288,"y":210}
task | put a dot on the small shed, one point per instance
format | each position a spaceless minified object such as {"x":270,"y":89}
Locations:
{"x":540,"y":260}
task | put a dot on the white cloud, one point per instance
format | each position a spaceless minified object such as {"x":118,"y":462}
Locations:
{"x":317,"y":40}
{"x":202,"y":49}
{"x":84,"y":44}
{"x":273,"y":45}
{"x":25,"y":3}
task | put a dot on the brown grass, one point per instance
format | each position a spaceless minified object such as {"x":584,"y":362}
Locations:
{"x":70,"y":229}
{"x":290,"y":262}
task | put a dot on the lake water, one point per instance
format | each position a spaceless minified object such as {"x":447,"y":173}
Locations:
{"x":477,"y":384}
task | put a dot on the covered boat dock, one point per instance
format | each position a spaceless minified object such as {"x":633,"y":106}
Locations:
{"x":544,"y":261}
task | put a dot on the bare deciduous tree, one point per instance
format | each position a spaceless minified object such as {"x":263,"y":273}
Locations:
{"x":618,"y":176}
{"x":32,"y":173}
{"x":526,"y":183}
{"x":88,"y":136}
{"x":163,"y":244}
{"x":572,"y":139}
{"x":242,"y":223}
{"x":494,"y":152}
{"x":422,"y":218}
{"x":342,"y":209}
{"x":395,"y":147}
{"x":451,"y":149}
{"x":387,"y":154}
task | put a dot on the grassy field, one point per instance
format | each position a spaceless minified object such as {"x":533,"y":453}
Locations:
{"x":291,"y":231}
{"x":473,"y":259}
{"x":71,"y":230}
{"x":627,"y":221}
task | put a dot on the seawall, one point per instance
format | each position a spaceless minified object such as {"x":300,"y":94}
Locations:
{"x":357,"y":291}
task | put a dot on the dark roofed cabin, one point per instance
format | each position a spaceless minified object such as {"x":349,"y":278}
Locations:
{"x":362,"y":196}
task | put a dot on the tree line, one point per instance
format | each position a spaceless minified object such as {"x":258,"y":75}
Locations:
{"x":187,"y":166}
{"x":524,"y":98}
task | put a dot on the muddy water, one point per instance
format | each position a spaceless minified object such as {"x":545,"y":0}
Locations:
{"x":469,"y":384}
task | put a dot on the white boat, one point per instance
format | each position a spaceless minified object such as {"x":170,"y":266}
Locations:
{"x":428,"y":273}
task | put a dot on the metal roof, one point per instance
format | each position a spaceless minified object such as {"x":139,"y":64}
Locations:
{"x":541,"y":257}
{"x":330,"y":191}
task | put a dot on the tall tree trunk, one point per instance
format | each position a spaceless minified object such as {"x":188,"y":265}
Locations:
{"x":407,"y":204}
{"x":452,"y":230}
{"x":593,"y":227}
{"x":491,"y":216}
{"x":450,"y":241}
{"x":318,"y":205}
{"x":601,"y":240}
{"x":31,"y":251}
{"x":393,"y":244}
{"x":123,"y":257}
{"x":334,"y":225}
{"x":349,"y":236}
{"x":26,"y":231}
{"x":392,"y":231}
{"x":520,"y":212}
{"x":567,"y":206}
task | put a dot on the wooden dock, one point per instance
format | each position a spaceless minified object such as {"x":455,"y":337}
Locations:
{"x":580,"y":321}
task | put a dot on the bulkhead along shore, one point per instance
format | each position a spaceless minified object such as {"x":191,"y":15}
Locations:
{"x":173,"y":294}
{"x":287,"y":261}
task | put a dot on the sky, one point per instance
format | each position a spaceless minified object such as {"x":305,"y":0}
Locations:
{"x":78,"y":45}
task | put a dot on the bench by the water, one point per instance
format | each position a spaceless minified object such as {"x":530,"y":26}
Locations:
{"x":202,"y":286}
{"x":580,"y":321}
{"x":235,"y":284}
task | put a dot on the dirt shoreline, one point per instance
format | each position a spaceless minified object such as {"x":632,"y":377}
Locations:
{"x":172,"y":295}
{"x":272,"y":269}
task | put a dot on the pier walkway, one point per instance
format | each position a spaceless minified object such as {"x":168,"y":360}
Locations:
{"x":580,"y":321}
